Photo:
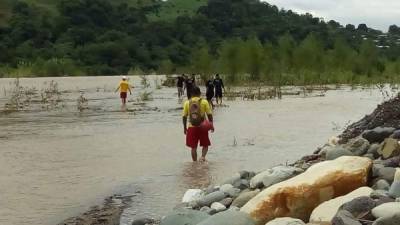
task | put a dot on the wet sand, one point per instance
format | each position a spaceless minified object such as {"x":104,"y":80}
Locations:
{"x":56,"y":164}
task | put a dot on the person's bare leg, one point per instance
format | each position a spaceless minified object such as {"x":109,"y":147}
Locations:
{"x":194,"y":154}
{"x":203,"y":154}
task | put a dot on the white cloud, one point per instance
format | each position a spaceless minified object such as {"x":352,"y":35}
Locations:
{"x":378,"y":14}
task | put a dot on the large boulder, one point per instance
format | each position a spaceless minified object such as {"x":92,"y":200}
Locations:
{"x":231,"y":217}
{"x":389,"y":148}
{"x":273,"y":176}
{"x":285,"y":221}
{"x":386,"y":210}
{"x":184,"y":217}
{"x":298,"y":196}
{"x":378,"y":134}
{"x":327,"y":210}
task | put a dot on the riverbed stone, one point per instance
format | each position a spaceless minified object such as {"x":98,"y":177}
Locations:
{"x":231,"y":217}
{"x":391,"y":220}
{"x":242,"y":184}
{"x":235,"y":178}
{"x":211,"y":198}
{"x":381,"y":185}
{"x":391,"y":162}
{"x":143,"y":221}
{"x":298,"y":196}
{"x":389,"y":148}
{"x":226,"y":202}
{"x":208,"y":210}
{"x":218,"y":207}
{"x":358,"y":146}
{"x":387,"y":173}
{"x":244,"y":197}
{"x":337,"y":152}
{"x":344,"y":217}
{"x":229,"y":190}
{"x":285,"y":221}
{"x":394,"y":190}
{"x":184,"y":217}
{"x":396,"y":134}
{"x":192,"y":195}
{"x":327,"y":210}
{"x":373,"y":149}
{"x":359,"y":206}
{"x":378,"y":134}
{"x":386,"y":210}
{"x":273,"y":176}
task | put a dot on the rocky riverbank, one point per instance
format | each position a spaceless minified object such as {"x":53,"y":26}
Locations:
{"x":354,"y":179}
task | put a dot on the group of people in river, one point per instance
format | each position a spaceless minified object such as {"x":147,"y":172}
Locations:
{"x":197,"y":116}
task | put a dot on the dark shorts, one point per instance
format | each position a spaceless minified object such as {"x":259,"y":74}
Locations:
{"x":218,"y":94}
{"x":123,"y":94}
{"x":194,"y":135}
{"x":210,"y":95}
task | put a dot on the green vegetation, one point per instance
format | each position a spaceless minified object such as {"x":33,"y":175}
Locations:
{"x":245,"y":40}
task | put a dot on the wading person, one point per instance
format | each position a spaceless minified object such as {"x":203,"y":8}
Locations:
{"x":179,"y":84}
{"x":219,"y":85}
{"x":199,"y":114}
{"x":190,"y":83}
{"x":124,"y":87}
{"x":210,"y":92}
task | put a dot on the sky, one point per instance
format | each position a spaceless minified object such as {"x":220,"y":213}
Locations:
{"x":377,"y":14}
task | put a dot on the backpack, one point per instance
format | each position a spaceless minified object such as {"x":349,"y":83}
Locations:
{"x":195,"y":117}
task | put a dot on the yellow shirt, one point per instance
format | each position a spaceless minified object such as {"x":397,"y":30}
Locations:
{"x":205,"y":108}
{"x":124,"y":86}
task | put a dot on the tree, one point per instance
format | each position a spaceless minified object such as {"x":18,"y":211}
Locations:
{"x":230,"y":62}
{"x":202,"y":61}
{"x":253,"y":58}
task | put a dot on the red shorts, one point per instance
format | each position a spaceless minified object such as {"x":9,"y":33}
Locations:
{"x":194,"y":135}
{"x":123,"y":94}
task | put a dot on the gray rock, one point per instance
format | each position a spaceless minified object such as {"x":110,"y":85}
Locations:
{"x":373,"y":149}
{"x":244,"y":197}
{"x":371,"y":156}
{"x":376,"y":166}
{"x":244,"y":174}
{"x":218,"y":207}
{"x":210,"y":190}
{"x":391,"y":162}
{"x":378,"y":134}
{"x":381,"y":185}
{"x":394,"y":190}
{"x":235,"y":178}
{"x":226,"y":202}
{"x":358,"y":146}
{"x":229,"y":190}
{"x":396,"y":134}
{"x":344,"y":217}
{"x":389,"y":148}
{"x":208,"y":210}
{"x":242,"y":184}
{"x":211,"y":198}
{"x":386,"y":210}
{"x":225,"y":187}
{"x":386,"y":173}
{"x":184,"y":217}
{"x":273,"y":176}
{"x":230,"y":217}
{"x":143,"y":221}
{"x":377,"y":194}
{"x":391,"y":220}
{"x":336,"y":152}
{"x":359,"y":206}
{"x":285,"y":221}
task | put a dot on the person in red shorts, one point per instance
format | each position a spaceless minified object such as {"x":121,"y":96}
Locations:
{"x":124,"y":87}
{"x":197,"y":112}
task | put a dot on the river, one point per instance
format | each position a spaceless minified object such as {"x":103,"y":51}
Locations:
{"x":57,"y":161}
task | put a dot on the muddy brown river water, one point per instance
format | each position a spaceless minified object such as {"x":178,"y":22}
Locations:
{"x":57,"y":163}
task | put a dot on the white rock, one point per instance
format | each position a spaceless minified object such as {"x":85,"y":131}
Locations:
{"x":285,"y":221}
{"x":386,"y":210}
{"x":218,"y":206}
{"x":394,"y":190}
{"x":298,"y":196}
{"x":327,"y":210}
{"x":192,"y":195}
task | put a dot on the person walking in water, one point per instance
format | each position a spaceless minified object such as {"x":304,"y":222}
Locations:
{"x":190,"y":83}
{"x":179,"y":84}
{"x":124,"y":87}
{"x":219,"y":85}
{"x":199,"y":113}
{"x":210,"y":91}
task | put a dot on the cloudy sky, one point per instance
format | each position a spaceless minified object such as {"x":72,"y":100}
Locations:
{"x":378,"y":14}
